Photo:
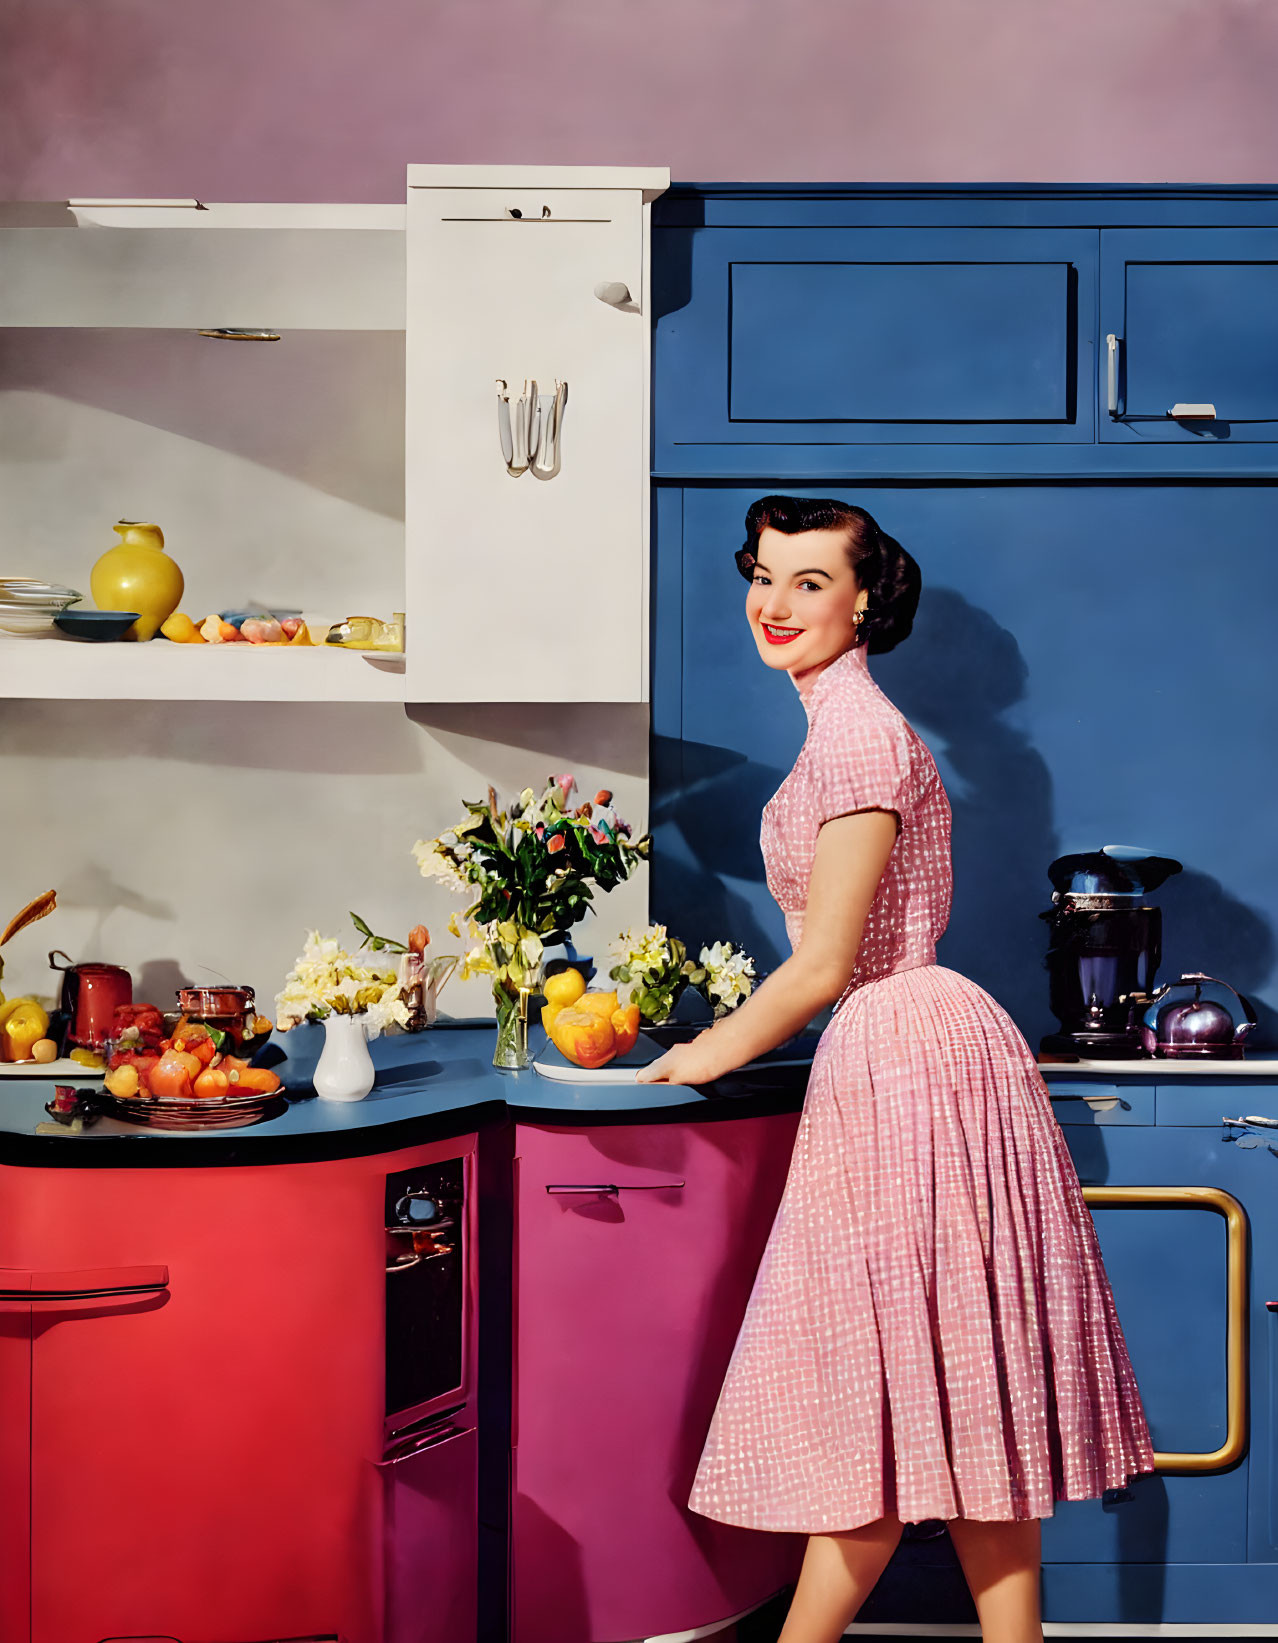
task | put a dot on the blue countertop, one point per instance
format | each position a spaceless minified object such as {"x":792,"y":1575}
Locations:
{"x":430,"y":1086}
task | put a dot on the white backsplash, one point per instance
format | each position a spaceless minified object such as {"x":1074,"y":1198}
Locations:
{"x":201,"y":841}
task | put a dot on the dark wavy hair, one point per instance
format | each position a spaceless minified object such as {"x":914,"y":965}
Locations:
{"x":890,"y":576}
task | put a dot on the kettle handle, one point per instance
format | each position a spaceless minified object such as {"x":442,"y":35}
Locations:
{"x":1198,"y":976}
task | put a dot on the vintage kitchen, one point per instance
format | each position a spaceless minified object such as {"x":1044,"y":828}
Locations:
{"x":350,"y":1286}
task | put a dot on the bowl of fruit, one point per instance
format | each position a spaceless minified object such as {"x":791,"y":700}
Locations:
{"x":183,"y":1074}
{"x":588,"y":1030}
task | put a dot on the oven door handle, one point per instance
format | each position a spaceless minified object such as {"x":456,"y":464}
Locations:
{"x":409,"y":1447}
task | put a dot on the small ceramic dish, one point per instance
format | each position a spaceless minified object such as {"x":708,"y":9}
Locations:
{"x":95,"y":625}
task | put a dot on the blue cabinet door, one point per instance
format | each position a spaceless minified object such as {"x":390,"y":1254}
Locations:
{"x":1072,"y":643}
{"x":839,"y":336}
{"x":1167,"y":1266}
{"x":1195,"y":315}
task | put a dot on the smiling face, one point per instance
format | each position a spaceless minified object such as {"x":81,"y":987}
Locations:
{"x":802,"y":597}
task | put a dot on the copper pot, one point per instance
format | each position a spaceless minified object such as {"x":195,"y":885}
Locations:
{"x":230,"y":1009}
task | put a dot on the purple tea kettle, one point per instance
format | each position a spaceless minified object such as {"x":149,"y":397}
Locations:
{"x":1197,"y":1026}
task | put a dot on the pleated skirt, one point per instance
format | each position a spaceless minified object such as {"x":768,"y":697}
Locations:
{"x":931,"y":1331}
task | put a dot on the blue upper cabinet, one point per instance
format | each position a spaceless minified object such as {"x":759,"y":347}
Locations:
{"x":857,"y":336}
{"x":1194,"y":318}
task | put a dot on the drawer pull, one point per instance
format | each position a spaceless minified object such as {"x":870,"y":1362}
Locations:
{"x":611,"y":1188}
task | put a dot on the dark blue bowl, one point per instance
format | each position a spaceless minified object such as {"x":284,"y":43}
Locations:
{"x":95,"y":624}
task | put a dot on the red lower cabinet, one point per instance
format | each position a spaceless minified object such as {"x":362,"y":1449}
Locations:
{"x":207,"y":1413}
{"x":635,"y":1253}
{"x":15,"y":1462}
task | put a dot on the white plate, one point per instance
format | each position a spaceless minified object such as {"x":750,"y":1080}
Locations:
{"x":63,"y":1071}
{"x":551,"y":1064}
{"x":608,"y":1074}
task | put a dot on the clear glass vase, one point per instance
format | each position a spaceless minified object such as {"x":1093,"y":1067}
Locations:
{"x":512,"y":1004}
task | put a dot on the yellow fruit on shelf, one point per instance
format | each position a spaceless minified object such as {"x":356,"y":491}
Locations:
{"x":182,"y":630}
{"x":44,"y":1050}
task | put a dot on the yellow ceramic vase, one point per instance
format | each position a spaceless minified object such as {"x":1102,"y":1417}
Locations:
{"x":137,"y":574}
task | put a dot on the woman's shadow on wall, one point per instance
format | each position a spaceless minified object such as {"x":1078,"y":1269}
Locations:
{"x":957,"y":681}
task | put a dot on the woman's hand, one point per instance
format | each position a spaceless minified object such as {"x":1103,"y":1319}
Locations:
{"x":694,"y":1063}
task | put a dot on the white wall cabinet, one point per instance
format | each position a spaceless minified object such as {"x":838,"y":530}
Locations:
{"x":527,"y":588}
{"x":514,"y":589}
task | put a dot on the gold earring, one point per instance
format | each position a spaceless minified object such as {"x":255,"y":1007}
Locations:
{"x":858,"y":616}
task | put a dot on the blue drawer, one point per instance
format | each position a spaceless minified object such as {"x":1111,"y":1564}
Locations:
{"x":1201,"y":1103}
{"x":1093,"y":1101}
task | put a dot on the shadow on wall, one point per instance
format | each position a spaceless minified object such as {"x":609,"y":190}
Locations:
{"x":322,"y":407}
{"x":956,"y":682}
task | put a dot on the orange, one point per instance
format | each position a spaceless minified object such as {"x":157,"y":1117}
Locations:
{"x":625,"y":1027}
{"x":583,"y":1036}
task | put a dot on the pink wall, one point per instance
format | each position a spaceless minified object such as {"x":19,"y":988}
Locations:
{"x":329,"y":99}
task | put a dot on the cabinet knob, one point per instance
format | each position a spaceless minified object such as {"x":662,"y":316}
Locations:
{"x":613,"y":292}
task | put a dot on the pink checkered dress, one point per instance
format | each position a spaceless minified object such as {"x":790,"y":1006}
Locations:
{"x":931,"y":1330}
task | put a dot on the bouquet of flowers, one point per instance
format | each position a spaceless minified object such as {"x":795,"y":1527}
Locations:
{"x":529,"y":869}
{"x":656,"y":967}
{"x":326,"y":980}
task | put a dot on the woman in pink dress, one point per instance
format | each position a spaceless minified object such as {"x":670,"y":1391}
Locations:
{"x":931,"y":1333}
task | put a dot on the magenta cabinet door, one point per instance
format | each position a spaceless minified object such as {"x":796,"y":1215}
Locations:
{"x":636,"y":1250}
{"x":431,"y":1557}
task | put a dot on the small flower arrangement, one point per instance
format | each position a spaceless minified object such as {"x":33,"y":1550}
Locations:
{"x":327,"y":980}
{"x":529,"y":869}
{"x":656,"y":967}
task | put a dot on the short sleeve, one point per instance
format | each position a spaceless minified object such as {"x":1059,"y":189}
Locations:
{"x":860,"y":764}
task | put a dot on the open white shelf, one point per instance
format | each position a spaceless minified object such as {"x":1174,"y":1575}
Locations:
{"x":57,"y":668}
{"x":282,"y":267}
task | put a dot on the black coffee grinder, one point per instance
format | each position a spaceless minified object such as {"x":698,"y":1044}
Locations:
{"x":1105,"y":944}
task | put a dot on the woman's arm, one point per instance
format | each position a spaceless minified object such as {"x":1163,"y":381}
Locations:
{"x":851,"y":855}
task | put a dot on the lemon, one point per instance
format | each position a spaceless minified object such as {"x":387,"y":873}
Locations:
{"x":564,"y":987}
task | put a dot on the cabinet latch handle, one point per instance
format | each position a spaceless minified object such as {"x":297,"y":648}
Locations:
{"x":1111,"y":369}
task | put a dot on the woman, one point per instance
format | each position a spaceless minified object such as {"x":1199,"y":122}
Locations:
{"x":931,"y":1332}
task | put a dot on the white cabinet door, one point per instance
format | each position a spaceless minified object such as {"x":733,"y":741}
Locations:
{"x":527,"y":588}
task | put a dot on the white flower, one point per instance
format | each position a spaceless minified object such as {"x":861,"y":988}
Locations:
{"x":435,"y":862}
{"x":326,"y":978}
{"x":390,"y":1010}
{"x":729,"y":975}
